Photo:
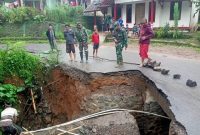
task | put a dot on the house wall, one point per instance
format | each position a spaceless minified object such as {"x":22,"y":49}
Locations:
{"x":185,"y":15}
{"x":162,"y":13}
{"x":194,"y":17}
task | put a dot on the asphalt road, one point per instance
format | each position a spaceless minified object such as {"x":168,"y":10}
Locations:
{"x":185,"y":101}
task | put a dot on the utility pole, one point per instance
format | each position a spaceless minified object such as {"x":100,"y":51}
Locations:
{"x":21,"y":3}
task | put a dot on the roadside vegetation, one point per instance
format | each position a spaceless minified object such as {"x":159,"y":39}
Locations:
{"x":26,"y":23}
{"x":21,"y":72}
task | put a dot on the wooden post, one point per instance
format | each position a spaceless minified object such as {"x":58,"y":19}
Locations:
{"x":115,"y":12}
{"x":33,"y":101}
{"x":20,"y":3}
{"x":95,"y":17}
{"x":152,"y":11}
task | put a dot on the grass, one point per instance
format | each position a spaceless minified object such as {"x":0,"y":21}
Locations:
{"x":22,"y":43}
{"x":192,"y":42}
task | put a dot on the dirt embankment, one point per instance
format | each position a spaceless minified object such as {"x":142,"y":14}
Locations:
{"x":73,"y":93}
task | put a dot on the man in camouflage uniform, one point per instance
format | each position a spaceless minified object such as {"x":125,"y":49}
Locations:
{"x":120,"y":39}
{"x":82,"y":37}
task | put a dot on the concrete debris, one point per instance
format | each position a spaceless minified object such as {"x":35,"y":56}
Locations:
{"x":164,"y":72}
{"x":176,"y":76}
{"x":191,"y":83}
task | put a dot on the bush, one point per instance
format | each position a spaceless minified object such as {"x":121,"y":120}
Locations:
{"x":18,"y":15}
{"x":40,"y":18}
{"x":198,"y":39}
{"x":165,"y":32}
{"x":8,"y":93}
{"x":64,"y":14}
{"x":17,"y":62}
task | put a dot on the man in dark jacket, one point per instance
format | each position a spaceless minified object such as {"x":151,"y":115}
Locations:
{"x":70,"y":41}
{"x":51,"y":37}
{"x":146,"y":33}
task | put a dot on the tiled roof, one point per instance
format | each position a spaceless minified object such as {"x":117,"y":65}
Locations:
{"x":97,"y":5}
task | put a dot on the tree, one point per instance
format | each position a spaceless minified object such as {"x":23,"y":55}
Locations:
{"x":176,"y":18}
{"x":197,"y":4}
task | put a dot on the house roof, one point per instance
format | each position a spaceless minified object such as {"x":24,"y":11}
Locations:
{"x":98,"y":5}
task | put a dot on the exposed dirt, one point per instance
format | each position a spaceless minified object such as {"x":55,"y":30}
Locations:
{"x":72,"y":93}
{"x":14,"y":80}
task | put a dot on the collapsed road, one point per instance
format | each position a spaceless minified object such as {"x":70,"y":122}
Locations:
{"x":179,"y":102}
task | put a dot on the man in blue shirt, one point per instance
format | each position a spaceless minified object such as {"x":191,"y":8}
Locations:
{"x":70,"y":41}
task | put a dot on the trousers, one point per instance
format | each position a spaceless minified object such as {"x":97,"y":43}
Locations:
{"x":119,"y":49}
{"x":83,"y":46}
{"x":52,"y":43}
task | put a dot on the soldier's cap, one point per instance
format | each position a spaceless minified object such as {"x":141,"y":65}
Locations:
{"x":67,"y":25}
{"x":116,"y":24}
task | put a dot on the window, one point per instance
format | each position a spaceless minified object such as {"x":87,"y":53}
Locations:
{"x":118,"y":11}
{"x":172,"y":3}
{"x":129,"y":13}
{"x":154,"y":11}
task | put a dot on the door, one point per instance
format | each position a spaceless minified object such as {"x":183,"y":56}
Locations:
{"x":139,"y":12}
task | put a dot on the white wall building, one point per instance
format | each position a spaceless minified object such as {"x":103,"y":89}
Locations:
{"x":132,"y":11}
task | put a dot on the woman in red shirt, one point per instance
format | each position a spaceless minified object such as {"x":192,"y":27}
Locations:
{"x":95,"y":40}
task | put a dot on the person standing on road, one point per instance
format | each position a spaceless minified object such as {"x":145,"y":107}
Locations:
{"x":51,"y":37}
{"x":8,"y":120}
{"x":82,"y":37}
{"x":146,"y":33}
{"x":120,"y":39}
{"x":95,"y":41}
{"x":120,"y":21}
{"x":70,"y":41}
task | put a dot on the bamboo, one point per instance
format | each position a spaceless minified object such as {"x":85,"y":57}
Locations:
{"x":64,"y":131}
{"x":102,"y":113}
{"x":33,"y":102}
{"x":27,"y":131}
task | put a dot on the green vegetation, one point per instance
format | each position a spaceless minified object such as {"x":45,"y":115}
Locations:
{"x":8,"y":93}
{"x":27,"y":22}
{"x":21,"y":71}
{"x":64,"y":14}
{"x":176,"y":33}
{"x":17,"y":15}
{"x":17,"y":62}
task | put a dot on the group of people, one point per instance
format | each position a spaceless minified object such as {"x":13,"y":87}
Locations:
{"x":72,"y":37}
{"x":119,"y":33}
{"x":9,"y":114}
{"x":120,"y":38}
{"x":110,"y":25}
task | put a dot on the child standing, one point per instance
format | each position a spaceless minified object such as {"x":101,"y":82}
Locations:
{"x":135,"y":30}
{"x":95,"y":40}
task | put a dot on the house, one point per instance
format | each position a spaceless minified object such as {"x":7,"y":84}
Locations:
{"x":99,"y":5}
{"x":158,"y":12}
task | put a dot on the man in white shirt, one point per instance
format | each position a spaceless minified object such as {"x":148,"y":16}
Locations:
{"x":8,"y":120}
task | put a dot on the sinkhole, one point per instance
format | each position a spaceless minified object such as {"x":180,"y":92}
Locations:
{"x":71,"y":93}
